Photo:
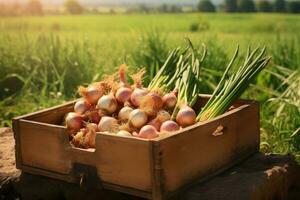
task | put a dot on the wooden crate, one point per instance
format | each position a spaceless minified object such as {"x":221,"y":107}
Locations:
{"x":153,"y":169}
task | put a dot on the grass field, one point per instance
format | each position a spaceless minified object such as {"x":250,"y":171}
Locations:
{"x":44,"y":59}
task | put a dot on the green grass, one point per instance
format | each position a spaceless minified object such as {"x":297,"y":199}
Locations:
{"x":44,"y":59}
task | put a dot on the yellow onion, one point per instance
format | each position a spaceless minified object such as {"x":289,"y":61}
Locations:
{"x":124,"y":133}
{"x":186,"y":116}
{"x":148,"y":132}
{"x":91,"y":94}
{"x":108,"y":124}
{"x":74,"y":121}
{"x":138,"y":118}
{"x":124,"y":113}
{"x":81,"y":106}
{"x":170,"y":99}
{"x":169,"y":126}
{"x":151,"y":103}
{"x":108,"y":103}
{"x":161,"y":117}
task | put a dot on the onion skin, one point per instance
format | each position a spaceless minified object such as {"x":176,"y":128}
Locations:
{"x":138,"y":118}
{"x":148,"y":132}
{"x":169,"y":126}
{"x":74,"y":121}
{"x":90,"y":136}
{"x":79,"y":140}
{"x":108,"y":103}
{"x":81,"y":107}
{"x":124,"y":133}
{"x":108,"y":124}
{"x":90,"y":94}
{"x":137,"y":96}
{"x":93,"y":116}
{"x":124,"y":113}
{"x":186,"y":116}
{"x":151,"y":103}
{"x":123,"y":94}
{"x":161,"y":117}
{"x":170,"y":100}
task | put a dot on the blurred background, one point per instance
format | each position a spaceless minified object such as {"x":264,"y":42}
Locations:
{"x":50,"y":47}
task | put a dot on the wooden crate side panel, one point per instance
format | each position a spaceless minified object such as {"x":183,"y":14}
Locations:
{"x":44,"y":146}
{"x":195,"y":153}
{"x":123,"y":161}
{"x":249,"y":123}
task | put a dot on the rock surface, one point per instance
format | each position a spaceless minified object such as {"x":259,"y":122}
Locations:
{"x":261,"y":177}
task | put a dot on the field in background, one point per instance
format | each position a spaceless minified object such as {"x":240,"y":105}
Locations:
{"x":44,"y":59}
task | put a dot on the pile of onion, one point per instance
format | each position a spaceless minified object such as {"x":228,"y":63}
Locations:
{"x":125,"y":110}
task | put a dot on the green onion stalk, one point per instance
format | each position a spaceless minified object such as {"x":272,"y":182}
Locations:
{"x":231,"y":87}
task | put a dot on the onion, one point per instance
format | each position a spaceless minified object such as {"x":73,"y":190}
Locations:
{"x":93,"y":116}
{"x":138,"y":118}
{"x":186,"y":116}
{"x":91,"y":94}
{"x":170,"y":99}
{"x":139,"y":92}
{"x":108,"y":124}
{"x":148,"y":132}
{"x":169,"y":126}
{"x":137,"y":96}
{"x":108,"y":103}
{"x":124,"y":92}
{"x":81,"y":106}
{"x":124,"y":113}
{"x":90,"y":136}
{"x":151,"y":103}
{"x":124,"y":133}
{"x":161,"y":117}
{"x":74,"y":121}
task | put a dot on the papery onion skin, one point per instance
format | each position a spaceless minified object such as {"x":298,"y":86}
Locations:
{"x":79,"y":138}
{"x":169,"y":126}
{"x":137,"y":96}
{"x":186,"y":116}
{"x":93,"y":117}
{"x":90,"y":136}
{"x":151,"y":103}
{"x":148,"y":132}
{"x":91,"y":94}
{"x":124,"y":113}
{"x":108,"y":124}
{"x":74,"y":121}
{"x":123,"y":94}
{"x":169,"y":100}
{"x":124,"y":133}
{"x":138,"y":118}
{"x":81,"y":107}
{"x":161,"y":117}
{"x":108,"y":103}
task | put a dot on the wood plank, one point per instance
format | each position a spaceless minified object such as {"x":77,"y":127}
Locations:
{"x":196,"y":152}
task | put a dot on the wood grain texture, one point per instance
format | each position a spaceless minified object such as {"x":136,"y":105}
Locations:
{"x":150,"y":169}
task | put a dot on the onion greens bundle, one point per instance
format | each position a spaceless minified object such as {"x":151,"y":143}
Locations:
{"x":231,"y":87}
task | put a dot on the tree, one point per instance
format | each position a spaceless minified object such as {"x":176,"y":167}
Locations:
{"x":231,"y":6}
{"x":279,"y":6}
{"x":206,"y":6}
{"x":264,"y":6}
{"x":293,"y":6}
{"x":34,"y":7}
{"x":73,"y":7}
{"x":246,"y":6}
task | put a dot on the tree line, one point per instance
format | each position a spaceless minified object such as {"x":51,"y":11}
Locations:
{"x":35,"y":7}
{"x":280,"y":6}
